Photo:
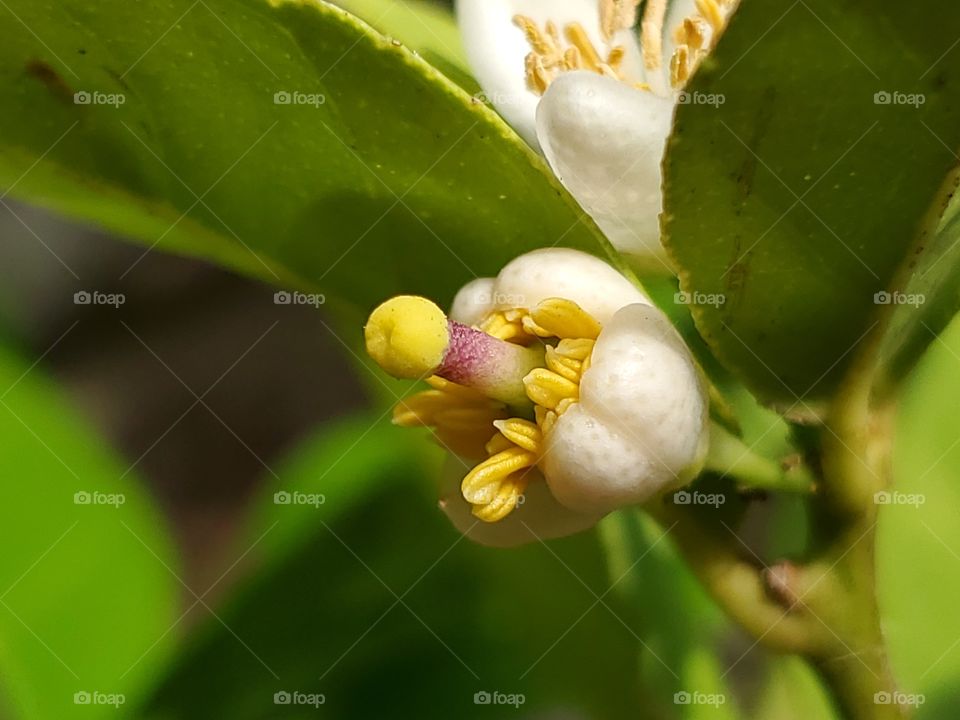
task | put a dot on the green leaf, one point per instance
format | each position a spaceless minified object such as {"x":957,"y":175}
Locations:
{"x":397,"y":181}
{"x":918,"y":536}
{"x":429,"y":30}
{"x":794,"y":194}
{"x":927,"y":303}
{"x":792,"y":690}
{"x":88,"y":594}
{"x":320,"y":609}
{"x":679,"y":656}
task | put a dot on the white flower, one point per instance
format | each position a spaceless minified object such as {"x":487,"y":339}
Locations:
{"x":568,"y":396}
{"x":572,"y":78}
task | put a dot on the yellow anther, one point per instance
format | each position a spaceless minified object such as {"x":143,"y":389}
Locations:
{"x":407,"y":336}
{"x":464,"y":418}
{"x":616,"y":15}
{"x":538,"y":78}
{"x":497,"y":444}
{"x":564,"y":366}
{"x":541,"y":43}
{"x":505,"y":501}
{"x":680,"y":66}
{"x":691,"y":39}
{"x":578,"y":37}
{"x":452,"y":388}
{"x":690,"y":33}
{"x":501,"y":325}
{"x":545,"y":419}
{"x":481,"y":484}
{"x":548,"y":389}
{"x":575,"y":348}
{"x":460,"y":416}
{"x":651,"y":33}
{"x":522,"y":433}
{"x":564,"y":319}
{"x":564,"y":405}
{"x":531,"y":328}
{"x":466,"y":444}
{"x":419,"y":409}
{"x":549,"y":57}
{"x":710,"y":10}
{"x":615,"y":58}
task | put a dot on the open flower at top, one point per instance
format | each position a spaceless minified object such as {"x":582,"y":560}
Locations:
{"x":573,"y":79}
{"x":562,"y":392}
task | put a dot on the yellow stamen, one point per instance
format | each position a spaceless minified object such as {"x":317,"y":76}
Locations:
{"x":499,"y":325}
{"x":461,"y":391}
{"x":523,"y":433}
{"x":497,"y":444}
{"x":690,"y":33}
{"x":690,"y":36}
{"x":564,"y":319}
{"x":578,"y":37}
{"x":461,"y":416}
{"x":541,"y":43}
{"x":505,"y":501}
{"x":565,"y":367}
{"x":616,"y":15}
{"x":651,"y":33}
{"x":710,"y":10}
{"x":615,"y":58}
{"x":494,"y":485}
{"x":680,"y":66}
{"x":548,"y":388}
{"x":549,"y":57}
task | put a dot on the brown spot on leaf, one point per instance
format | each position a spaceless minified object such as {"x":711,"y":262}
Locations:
{"x":53,"y":80}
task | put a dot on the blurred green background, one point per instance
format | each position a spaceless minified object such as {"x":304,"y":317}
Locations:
{"x":150,"y":572}
{"x":200,"y":597}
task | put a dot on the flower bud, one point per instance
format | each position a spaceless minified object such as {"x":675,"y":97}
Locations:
{"x":613,"y":410}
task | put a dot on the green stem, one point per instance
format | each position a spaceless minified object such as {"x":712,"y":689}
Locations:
{"x":824,"y":608}
{"x":730,"y":456}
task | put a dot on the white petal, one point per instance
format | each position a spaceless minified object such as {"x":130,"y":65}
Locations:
{"x":473,"y":301}
{"x":496,"y":49}
{"x":642,"y":378}
{"x":540,"y":517}
{"x":562,"y":272}
{"x":593,"y":467}
{"x":640,"y":428}
{"x":605,"y":142}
